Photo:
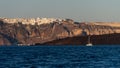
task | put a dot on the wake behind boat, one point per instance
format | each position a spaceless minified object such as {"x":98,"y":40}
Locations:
{"x":89,"y":42}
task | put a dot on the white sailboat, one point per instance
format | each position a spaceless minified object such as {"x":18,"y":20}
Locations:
{"x":89,"y":43}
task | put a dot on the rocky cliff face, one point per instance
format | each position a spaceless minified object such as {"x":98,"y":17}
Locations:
{"x":19,"y":33}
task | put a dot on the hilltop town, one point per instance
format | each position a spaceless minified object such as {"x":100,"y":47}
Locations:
{"x":31,"y":21}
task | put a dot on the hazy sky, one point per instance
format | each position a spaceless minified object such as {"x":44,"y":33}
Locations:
{"x":78,"y":10}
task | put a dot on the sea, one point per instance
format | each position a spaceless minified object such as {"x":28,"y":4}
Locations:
{"x":65,"y":56}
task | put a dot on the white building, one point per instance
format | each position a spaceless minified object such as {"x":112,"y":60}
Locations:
{"x":31,"y":21}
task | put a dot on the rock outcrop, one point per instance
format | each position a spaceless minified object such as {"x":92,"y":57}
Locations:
{"x":29,"y":34}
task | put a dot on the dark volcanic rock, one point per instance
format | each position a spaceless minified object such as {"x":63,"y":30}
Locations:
{"x":4,"y":41}
{"x":111,"y":39}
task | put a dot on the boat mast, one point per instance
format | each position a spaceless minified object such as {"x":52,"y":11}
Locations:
{"x":89,"y":39}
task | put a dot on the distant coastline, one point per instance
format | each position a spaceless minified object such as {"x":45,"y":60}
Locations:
{"x":27,"y":32}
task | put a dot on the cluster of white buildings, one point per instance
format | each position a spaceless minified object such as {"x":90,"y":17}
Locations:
{"x":31,"y":21}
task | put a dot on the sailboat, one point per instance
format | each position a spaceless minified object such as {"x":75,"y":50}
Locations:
{"x":89,"y":43}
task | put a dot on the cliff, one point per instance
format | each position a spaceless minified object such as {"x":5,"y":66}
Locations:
{"x":28,"y":34}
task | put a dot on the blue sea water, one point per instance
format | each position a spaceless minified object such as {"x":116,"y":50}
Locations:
{"x":59,"y":57}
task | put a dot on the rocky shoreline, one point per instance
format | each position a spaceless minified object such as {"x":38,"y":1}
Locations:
{"x":107,"y":39}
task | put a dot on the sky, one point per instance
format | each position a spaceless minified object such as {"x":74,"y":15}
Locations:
{"x":78,"y":10}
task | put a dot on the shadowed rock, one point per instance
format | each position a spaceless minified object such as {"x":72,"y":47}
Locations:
{"x":10,"y":39}
{"x":107,"y":39}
